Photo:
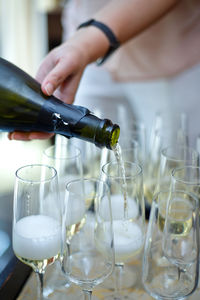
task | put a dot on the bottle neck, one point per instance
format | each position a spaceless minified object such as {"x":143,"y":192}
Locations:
{"x":77,"y":121}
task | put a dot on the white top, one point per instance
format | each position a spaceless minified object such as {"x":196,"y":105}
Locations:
{"x":166,"y":48}
{"x":133,"y":98}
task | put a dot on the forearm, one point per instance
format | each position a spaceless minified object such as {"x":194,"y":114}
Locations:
{"x":126,"y":18}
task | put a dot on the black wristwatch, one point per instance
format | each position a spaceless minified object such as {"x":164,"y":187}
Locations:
{"x":114,"y":43}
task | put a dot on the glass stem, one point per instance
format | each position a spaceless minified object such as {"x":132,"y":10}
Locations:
{"x":118,"y":280}
{"x":40,"y":279}
{"x":87,"y":294}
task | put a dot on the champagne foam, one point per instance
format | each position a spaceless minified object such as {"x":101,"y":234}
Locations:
{"x":128,"y":239}
{"x":37,"y":237}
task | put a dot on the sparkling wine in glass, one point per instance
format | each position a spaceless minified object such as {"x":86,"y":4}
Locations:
{"x":37,"y":218}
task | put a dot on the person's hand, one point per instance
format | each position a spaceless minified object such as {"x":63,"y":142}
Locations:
{"x":59,"y":74}
{"x":61,"y":70}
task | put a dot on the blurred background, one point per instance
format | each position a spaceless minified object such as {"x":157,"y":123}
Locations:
{"x":28,"y":30}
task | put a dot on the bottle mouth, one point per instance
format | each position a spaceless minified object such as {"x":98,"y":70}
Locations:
{"x":114,"y":136}
{"x":111,"y":136}
{"x":107,"y":134}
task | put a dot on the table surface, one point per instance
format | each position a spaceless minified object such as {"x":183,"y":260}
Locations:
{"x":132,"y":282}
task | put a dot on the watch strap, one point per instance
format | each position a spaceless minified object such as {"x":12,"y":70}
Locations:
{"x":114,"y":43}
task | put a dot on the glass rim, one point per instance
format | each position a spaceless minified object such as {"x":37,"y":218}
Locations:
{"x":113,"y":162}
{"x":182,"y":180}
{"x":191,"y":151}
{"x":90,"y":179}
{"x":54,"y":175}
{"x":78,"y":154}
{"x":170,"y":191}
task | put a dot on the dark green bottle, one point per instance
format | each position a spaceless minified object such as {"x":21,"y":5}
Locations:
{"x":23,"y":107}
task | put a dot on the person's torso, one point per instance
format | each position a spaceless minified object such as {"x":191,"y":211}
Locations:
{"x":166,"y":48}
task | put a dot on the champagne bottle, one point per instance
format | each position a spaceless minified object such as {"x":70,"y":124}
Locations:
{"x":23,"y":107}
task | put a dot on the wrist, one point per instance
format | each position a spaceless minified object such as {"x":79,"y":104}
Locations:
{"x":107,"y":32}
{"x":94,"y":42}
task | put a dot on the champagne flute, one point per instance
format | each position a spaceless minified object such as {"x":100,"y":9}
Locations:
{"x":161,"y":276}
{"x":66,"y":159}
{"x":37,"y":218}
{"x":127,"y":202}
{"x":129,"y":150}
{"x":90,"y":258}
